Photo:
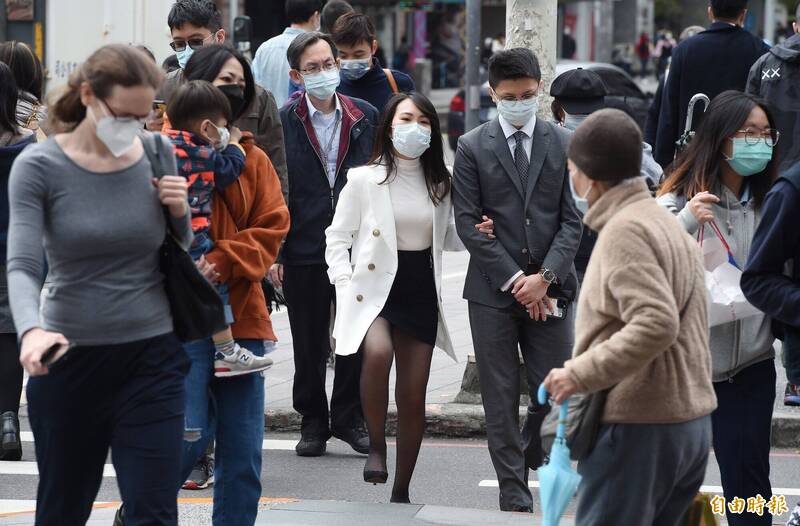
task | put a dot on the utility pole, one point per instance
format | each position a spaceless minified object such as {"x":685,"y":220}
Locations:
{"x":473,"y":84}
{"x":769,"y":21}
{"x":532,"y":24}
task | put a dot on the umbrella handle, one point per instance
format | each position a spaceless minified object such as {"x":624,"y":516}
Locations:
{"x":561,"y":430}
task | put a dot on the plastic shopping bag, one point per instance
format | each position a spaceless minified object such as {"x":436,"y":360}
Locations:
{"x":726,"y":302}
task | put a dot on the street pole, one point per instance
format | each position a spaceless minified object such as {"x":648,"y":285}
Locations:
{"x":233,"y":12}
{"x":769,"y":21}
{"x":473,"y":84}
{"x":532,"y":24}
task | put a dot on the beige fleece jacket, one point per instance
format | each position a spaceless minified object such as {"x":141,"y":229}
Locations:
{"x":644,"y":272}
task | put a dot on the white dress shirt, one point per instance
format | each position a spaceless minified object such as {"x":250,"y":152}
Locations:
{"x":509,"y":130}
{"x":328,"y":129}
{"x":271,"y":67}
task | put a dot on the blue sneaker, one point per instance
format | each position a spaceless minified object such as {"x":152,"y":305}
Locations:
{"x":791,"y":397}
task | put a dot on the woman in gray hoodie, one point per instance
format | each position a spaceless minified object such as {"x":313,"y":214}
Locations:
{"x":723,"y":178}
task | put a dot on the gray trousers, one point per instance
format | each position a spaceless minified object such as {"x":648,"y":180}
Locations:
{"x":498,"y":335}
{"x":644,"y":474}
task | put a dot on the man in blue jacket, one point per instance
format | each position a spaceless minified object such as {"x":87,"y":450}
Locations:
{"x":326,"y":134}
{"x":768,"y":286}
{"x":716,"y":60}
{"x":362,"y":74}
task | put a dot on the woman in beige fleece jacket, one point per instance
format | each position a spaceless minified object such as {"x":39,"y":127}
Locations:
{"x":641,"y":333}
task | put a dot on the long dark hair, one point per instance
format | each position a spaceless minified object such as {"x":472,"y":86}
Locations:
{"x":698,"y":168}
{"x":8,"y":100}
{"x":25,"y":65}
{"x":437,"y":176}
{"x":208,"y":61}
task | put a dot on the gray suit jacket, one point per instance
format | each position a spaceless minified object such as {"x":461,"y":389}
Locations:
{"x":540,"y":226}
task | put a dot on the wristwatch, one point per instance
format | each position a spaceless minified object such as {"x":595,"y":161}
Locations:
{"x":548,"y":276}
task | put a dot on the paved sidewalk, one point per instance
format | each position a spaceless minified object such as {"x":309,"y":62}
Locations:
{"x":329,"y":513}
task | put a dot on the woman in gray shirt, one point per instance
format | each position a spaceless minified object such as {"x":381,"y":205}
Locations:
{"x":90,"y":197}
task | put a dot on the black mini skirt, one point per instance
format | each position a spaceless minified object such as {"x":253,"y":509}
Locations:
{"x":413,"y":305}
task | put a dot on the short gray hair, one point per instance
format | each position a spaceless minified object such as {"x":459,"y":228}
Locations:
{"x":303,"y":42}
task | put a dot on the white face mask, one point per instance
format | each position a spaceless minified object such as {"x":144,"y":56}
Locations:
{"x":581,"y":202}
{"x":518,"y":112}
{"x":322,"y":85}
{"x":117,"y":134}
{"x":571,"y":122}
{"x":411,"y":139}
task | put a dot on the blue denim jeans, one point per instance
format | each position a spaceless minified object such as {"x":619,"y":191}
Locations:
{"x":232,"y":410}
{"x":202,"y":245}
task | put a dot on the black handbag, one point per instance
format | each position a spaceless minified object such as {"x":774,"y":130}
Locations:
{"x":196,"y":307}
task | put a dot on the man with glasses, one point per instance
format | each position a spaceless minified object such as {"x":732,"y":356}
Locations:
{"x":520,"y":284}
{"x":197,"y":23}
{"x":326,"y":134}
{"x":270,"y":68}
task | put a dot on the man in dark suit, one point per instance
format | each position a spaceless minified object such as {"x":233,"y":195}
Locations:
{"x":514,"y":170}
{"x":716,"y":60}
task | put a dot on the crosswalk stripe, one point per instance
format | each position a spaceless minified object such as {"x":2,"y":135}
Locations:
{"x":793,"y":492}
{"x":29,"y":468}
{"x":267,"y":445}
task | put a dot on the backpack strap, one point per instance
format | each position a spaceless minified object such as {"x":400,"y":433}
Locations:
{"x":390,"y":78}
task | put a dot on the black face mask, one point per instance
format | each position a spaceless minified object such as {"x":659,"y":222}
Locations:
{"x":235,"y":96}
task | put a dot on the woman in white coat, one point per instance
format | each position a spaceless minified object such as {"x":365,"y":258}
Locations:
{"x":396,"y":216}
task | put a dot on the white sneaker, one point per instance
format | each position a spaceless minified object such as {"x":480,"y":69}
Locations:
{"x":239,"y":362}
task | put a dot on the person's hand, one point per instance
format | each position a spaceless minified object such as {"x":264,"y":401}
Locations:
{"x":560,"y":384}
{"x":529,"y":290}
{"x":173,"y":194}
{"x":155,"y":122}
{"x":208,"y":270}
{"x":539,"y":310}
{"x":276,"y":275}
{"x":700,"y":207}
{"x":34,"y":344}
{"x":487,"y":227}
{"x":236,"y":135}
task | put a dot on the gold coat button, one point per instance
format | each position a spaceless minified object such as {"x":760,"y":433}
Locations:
{"x":371,"y":266}
{"x":359,"y":298}
{"x":376,"y":232}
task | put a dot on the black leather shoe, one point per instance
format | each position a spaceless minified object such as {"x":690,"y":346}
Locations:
{"x":311,"y":446}
{"x":11,"y":446}
{"x":356,"y":437}
{"x":118,"y":518}
{"x":373,"y":476}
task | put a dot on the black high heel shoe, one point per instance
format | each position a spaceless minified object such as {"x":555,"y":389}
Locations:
{"x":10,"y":445}
{"x":374,"y":476}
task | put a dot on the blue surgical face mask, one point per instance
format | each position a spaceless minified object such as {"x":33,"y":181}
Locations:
{"x":581,"y":202}
{"x":571,"y":122}
{"x":750,"y":159}
{"x":410,"y":139}
{"x":518,"y":112}
{"x":356,"y":68}
{"x":183,"y":56}
{"x":322,"y":85}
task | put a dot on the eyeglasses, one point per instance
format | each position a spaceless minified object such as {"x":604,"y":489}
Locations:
{"x":752,"y":137}
{"x":527,"y":96}
{"x":313,"y":69}
{"x":128,"y":118}
{"x":194,"y":43}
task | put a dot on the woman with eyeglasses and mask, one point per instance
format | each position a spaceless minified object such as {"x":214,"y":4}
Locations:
{"x":105,"y":367}
{"x":720,"y":183}
{"x":384,"y":253}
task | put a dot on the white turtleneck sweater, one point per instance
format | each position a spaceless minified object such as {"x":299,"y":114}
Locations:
{"x":413,"y":208}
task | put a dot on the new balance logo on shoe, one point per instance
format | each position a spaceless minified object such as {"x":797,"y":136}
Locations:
{"x":769,"y":74}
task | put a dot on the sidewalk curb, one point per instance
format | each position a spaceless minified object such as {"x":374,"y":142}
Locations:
{"x":467,"y":421}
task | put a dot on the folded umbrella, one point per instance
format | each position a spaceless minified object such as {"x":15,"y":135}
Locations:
{"x":557,"y":480}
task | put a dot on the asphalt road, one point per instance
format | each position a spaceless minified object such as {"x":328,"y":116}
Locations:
{"x":455,"y":473}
